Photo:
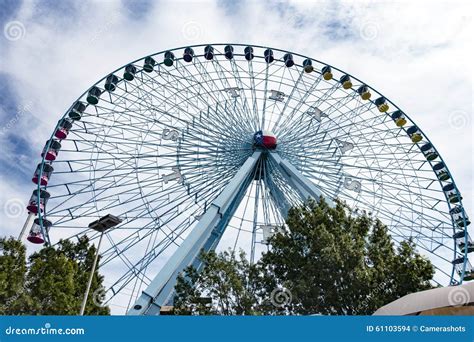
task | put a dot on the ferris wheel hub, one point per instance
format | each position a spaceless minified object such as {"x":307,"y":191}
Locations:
{"x":265,"y":139}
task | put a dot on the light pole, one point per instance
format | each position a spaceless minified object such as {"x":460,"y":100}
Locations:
{"x":100,"y":225}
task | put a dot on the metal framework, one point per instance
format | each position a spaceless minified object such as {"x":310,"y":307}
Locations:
{"x":166,"y":144}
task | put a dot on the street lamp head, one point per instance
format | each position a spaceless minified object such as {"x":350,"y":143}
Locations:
{"x":104,"y":223}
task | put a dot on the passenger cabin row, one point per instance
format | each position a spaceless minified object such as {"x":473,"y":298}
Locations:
{"x":44,"y":171}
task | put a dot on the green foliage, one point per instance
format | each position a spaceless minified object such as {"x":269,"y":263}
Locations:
{"x":328,"y":260}
{"x":53,"y":281}
{"x":232,"y":284}
{"x":13,"y":270}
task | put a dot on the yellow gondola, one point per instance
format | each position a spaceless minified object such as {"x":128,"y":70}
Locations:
{"x":327,"y":73}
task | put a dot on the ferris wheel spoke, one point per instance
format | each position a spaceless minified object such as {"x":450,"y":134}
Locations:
{"x":132,"y":240}
{"x":208,"y":128}
{"x":108,"y":186}
{"x":332,"y":184}
{"x":142,"y":267}
{"x":307,"y":92}
{"x":335,"y":166}
{"x":251,"y":113}
{"x":144,"y":101}
{"x":222,"y":72}
{"x":336,"y":106}
{"x":222,"y":125}
{"x":132,"y":272}
{"x":243,"y":113}
{"x":72,"y":195}
{"x":126,"y":175}
{"x":253,"y":94}
{"x":290,"y":97}
{"x":265,"y":95}
{"x":377,"y":160}
{"x":327,"y":113}
{"x":288,"y":125}
{"x":380,"y":205}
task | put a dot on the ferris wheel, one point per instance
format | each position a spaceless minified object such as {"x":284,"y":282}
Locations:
{"x":208,"y":146}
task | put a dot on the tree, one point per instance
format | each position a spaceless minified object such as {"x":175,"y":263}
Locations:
{"x":328,"y":261}
{"x":53,"y":281}
{"x":227,"y":285}
{"x":13,"y":299}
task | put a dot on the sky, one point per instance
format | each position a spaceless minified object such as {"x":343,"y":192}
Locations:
{"x":417,"y":53}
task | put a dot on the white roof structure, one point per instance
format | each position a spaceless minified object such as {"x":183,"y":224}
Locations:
{"x":451,"y":300}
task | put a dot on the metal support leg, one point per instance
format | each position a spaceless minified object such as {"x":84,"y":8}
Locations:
{"x":221,"y":209}
{"x":26,"y":226}
{"x":277,"y":196}
{"x":305,"y":187}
